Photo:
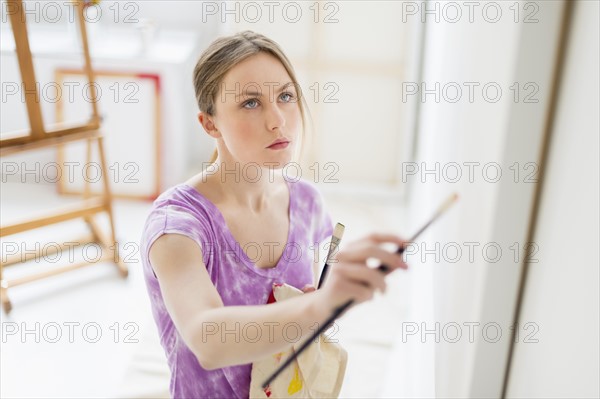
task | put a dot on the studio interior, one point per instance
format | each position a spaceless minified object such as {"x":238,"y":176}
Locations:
{"x":493,"y":104}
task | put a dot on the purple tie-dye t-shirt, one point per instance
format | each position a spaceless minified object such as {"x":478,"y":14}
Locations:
{"x":183,"y":210}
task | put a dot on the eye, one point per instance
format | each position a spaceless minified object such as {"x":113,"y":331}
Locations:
{"x":251,"y":104}
{"x":287,"y":97}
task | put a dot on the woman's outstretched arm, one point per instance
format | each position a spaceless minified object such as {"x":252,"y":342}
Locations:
{"x":222,"y":336}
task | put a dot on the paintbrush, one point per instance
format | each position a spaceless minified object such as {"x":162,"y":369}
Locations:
{"x":341,"y":309}
{"x":338,"y":232}
{"x":441,"y":209}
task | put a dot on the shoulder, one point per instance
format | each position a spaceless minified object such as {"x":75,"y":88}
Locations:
{"x":306,"y":191}
{"x":179,"y":208}
{"x":181,"y":198}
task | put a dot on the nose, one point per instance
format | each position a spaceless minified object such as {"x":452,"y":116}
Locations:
{"x":275,"y":119}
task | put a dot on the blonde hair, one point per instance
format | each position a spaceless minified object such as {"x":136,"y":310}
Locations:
{"x":226,"y":52}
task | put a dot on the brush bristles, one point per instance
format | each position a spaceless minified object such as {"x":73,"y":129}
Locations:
{"x":338,"y":231}
{"x":448,"y":203}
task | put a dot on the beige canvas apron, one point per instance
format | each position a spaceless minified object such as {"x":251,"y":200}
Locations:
{"x":317,"y":373}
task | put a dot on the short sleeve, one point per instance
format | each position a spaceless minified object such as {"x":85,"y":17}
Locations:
{"x":174,"y":219}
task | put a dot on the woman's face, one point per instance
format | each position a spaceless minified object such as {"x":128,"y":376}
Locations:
{"x":257,"y":104}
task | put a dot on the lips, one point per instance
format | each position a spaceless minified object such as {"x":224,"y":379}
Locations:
{"x":278,"y":141}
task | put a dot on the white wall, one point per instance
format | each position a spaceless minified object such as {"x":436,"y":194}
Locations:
{"x":345,"y":73}
{"x":562,"y":289}
{"x":479,"y":289}
{"x":452,"y":132}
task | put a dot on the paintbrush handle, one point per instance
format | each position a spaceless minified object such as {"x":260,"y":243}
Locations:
{"x":336,"y":313}
{"x":323,"y":273}
{"x":338,"y":232}
{"x":385,"y":269}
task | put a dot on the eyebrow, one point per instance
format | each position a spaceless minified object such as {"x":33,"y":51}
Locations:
{"x":259,"y":94}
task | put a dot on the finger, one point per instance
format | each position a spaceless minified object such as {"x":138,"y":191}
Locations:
{"x":358,"y":291}
{"x":364,"y":294}
{"x":308,"y":288}
{"x":359,"y":274}
{"x":380,"y":238}
{"x":391,"y":259}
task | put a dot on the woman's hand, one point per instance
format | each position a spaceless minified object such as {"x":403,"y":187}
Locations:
{"x":308,"y":288}
{"x":349,"y":276}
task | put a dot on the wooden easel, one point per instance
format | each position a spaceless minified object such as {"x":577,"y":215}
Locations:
{"x":40,"y":136}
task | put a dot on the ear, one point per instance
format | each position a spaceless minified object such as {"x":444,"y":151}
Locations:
{"x":208,"y":124}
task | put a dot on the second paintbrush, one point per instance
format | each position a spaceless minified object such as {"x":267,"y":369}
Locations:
{"x":338,"y":232}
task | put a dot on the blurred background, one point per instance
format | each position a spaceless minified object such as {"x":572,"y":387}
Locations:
{"x":409,"y":103}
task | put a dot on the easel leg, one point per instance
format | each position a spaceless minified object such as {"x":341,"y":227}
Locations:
{"x":4,"y":295}
{"x":87,"y":191}
{"x":108,"y":203}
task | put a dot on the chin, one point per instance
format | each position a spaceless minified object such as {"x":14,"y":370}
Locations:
{"x":279,"y":163}
{"x":282,"y":157}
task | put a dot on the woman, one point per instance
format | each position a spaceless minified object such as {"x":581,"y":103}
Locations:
{"x":214,"y":246}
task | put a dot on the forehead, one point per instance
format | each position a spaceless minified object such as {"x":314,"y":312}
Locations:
{"x":258,"y":69}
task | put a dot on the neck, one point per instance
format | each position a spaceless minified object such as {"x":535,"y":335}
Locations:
{"x":245,"y":186}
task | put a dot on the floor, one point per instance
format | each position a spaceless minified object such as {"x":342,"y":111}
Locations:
{"x":89,"y":332}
